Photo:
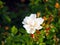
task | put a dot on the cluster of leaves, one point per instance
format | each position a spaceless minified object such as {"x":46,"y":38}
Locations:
{"x":10,"y":34}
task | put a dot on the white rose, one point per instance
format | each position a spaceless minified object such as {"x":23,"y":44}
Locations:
{"x":31,"y":23}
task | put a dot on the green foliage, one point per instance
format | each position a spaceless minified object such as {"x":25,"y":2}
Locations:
{"x":7,"y":18}
{"x":1,"y":3}
{"x":14,"y":30}
{"x":18,"y":36}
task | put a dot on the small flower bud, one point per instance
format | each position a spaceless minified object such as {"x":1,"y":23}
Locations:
{"x":6,"y":27}
{"x":44,"y":18}
{"x":38,"y":14}
{"x":32,"y":35}
{"x":57,"y":5}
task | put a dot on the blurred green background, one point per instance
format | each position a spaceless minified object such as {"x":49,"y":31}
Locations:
{"x":12,"y":13}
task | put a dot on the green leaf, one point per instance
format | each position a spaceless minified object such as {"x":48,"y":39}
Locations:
{"x":42,"y":32}
{"x":50,"y":36}
{"x":1,"y":3}
{"x":14,"y":30}
{"x":9,"y":40}
{"x":7,"y":18}
{"x":42,"y":44}
{"x":21,"y":30}
{"x":52,"y":30}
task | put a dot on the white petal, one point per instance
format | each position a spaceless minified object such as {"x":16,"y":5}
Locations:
{"x":39,"y":21}
{"x":33,"y":16}
{"x":30,"y":19}
{"x":26,"y":20}
{"x":40,"y":27}
{"x":32,"y":31}
{"x":28,"y":29}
